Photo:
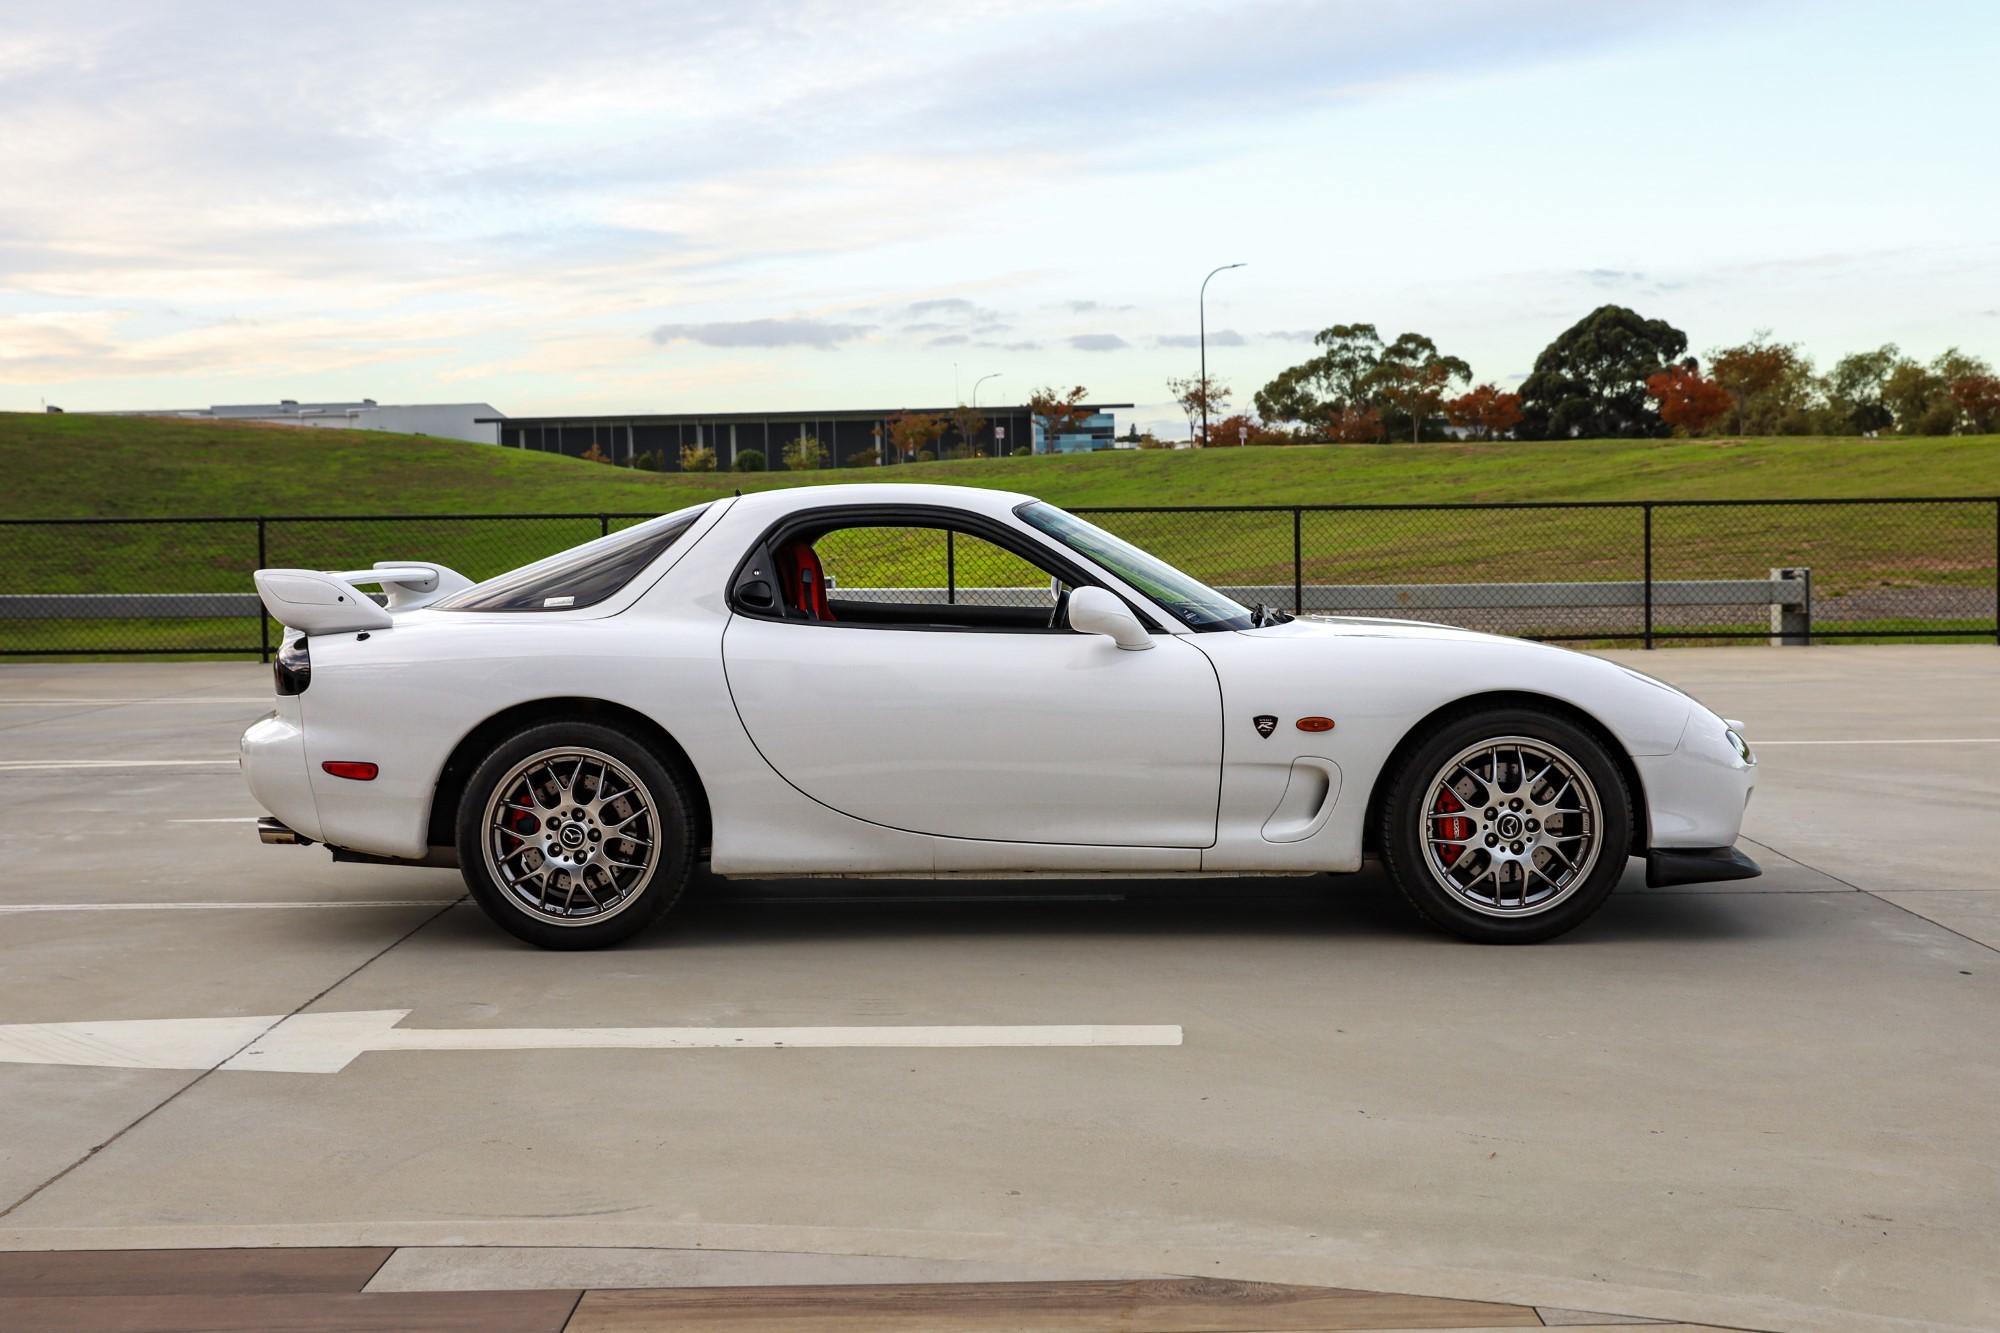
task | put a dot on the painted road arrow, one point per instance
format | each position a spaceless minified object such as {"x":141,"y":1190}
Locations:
{"x":328,"y":1043}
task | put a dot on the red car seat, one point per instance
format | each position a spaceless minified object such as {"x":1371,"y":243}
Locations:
{"x":803,"y":580}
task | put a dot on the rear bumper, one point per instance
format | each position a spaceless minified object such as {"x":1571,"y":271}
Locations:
{"x":273,"y":755}
{"x":1697,"y":865}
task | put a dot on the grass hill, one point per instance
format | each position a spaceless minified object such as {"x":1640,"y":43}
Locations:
{"x":78,"y":466}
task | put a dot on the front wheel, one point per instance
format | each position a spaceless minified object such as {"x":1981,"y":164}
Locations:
{"x":573,"y":836}
{"x":1507,"y":826}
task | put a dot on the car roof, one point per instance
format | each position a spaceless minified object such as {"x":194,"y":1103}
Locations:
{"x":968,"y":499}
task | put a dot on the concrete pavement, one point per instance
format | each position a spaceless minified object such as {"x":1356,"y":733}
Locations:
{"x":1769,"y":1105}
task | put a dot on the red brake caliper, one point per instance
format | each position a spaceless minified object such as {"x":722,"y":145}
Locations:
{"x":1453,"y":831}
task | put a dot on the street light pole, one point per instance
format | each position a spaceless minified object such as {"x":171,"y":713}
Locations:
{"x":975,"y":389}
{"x":1203,"y":303}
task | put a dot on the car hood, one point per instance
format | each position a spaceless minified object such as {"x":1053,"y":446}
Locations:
{"x":1378,"y":627}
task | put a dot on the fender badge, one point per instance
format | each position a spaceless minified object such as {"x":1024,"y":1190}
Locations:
{"x":1266,"y":724}
{"x":1315,"y":724}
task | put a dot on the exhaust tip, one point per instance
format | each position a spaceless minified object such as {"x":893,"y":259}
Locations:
{"x":274,"y":831}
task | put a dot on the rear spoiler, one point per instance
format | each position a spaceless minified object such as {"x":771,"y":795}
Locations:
{"x":321,"y":602}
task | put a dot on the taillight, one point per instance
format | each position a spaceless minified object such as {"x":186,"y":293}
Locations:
{"x":351,"y":768}
{"x":293,"y":670}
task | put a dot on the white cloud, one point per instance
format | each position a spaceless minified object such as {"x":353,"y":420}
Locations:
{"x":219,"y":200}
{"x":762,"y":333}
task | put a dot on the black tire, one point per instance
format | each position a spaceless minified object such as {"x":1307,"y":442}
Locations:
{"x":1422,"y":878}
{"x":645,"y":897}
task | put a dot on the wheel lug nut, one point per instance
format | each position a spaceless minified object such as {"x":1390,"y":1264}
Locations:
{"x":1517,"y":848}
{"x":1492,"y":841}
{"x":1514,"y":804}
{"x":1492,"y":813}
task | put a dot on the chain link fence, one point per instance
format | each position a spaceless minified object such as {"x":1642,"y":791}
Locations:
{"x":1613,"y":573}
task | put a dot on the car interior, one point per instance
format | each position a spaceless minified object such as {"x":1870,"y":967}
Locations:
{"x":919,"y":577}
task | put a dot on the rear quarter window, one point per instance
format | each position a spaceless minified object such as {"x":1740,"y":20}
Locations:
{"x":582,"y":576}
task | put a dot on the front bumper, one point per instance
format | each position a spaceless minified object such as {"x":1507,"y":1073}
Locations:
{"x":1697,"y":865}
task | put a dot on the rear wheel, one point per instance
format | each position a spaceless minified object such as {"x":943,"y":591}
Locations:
{"x":1507,"y":826}
{"x":573,"y":836}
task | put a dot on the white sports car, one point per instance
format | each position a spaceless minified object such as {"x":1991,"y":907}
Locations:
{"x":942,"y":682}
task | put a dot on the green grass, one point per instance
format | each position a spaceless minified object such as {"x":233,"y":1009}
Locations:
{"x":77,"y":466}
{"x":61,"y":466}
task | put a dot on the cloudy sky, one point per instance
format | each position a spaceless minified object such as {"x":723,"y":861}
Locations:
{"x":738,"y":204}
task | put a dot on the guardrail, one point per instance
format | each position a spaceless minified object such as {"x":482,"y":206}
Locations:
{"x":1638,"y":572}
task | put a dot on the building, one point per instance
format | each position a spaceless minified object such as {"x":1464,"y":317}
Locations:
{"x":477,"y":422}
{"x":845,"y":433}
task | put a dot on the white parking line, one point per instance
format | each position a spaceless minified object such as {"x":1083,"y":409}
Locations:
{"x":15,"y":909}
{"x":233,"y":819}
{"x":30,"y":765}
{"x":326,"y":1043}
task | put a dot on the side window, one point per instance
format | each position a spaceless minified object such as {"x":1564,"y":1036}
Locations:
{"x":917,"y":576}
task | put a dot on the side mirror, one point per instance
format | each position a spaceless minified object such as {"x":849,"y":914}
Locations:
{"x":1095,"y":611}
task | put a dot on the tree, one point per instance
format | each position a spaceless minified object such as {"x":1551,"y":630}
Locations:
{"x":594,"y":455}
{"x":1059,"y":412}
{"x":1317,"y":391}
{"x":1356,"y":425}
{"x":1591,"y":381}
{"x":1768,"y":381}
{"x":694,"y":458}
{"x":1854,"y":388}
{"x":1232,"y":432}
{"x":1485,"y":411}
{"x":1921,"y":397}
{"x":1978,"y":397}
{"x":1689,"y":401}
{"x":805,"y":454}
{"x":913,"y":433}
{"x":1197,"y":398}
{"x":1411,"y":376}
{"x":968,"y":422}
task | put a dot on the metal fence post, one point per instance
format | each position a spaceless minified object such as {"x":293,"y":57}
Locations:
{"x":263,"y":617}
{"x":1649,"y":573}
{"x":604,"y":525}
{"x":1298,"y":567}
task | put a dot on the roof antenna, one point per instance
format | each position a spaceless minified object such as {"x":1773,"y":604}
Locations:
{"x":739,"y":492}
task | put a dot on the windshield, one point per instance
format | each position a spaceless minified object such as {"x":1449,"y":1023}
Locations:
{"x":581,"y":576}
{"x":1192,"y":602}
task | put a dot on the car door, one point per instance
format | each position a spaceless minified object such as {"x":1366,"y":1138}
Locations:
{"x":937,"y":689}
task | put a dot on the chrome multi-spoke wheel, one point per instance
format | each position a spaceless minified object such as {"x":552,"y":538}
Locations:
{"x":1511,"y":826}
{"x":571,"y":835}
{"x":1506,"y":825}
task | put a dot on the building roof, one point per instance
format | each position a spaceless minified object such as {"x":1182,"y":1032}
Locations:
{"x":803,"y":414}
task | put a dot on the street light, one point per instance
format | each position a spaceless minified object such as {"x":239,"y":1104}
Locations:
{"x":1204,"y":346}
{"x":975,"y":391}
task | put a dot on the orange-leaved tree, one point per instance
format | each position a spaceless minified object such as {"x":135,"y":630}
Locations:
{"x":1486,"y":411}
{"x":1355,"y":425}
{"x":1978,"y":396}
{"x":1233,"y":432}
{"x":911,"y":433}
{"x":1689,"y":401}
{"x":1059,"y":412}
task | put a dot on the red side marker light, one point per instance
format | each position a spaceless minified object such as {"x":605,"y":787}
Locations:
{"x":351,"y":768}
{"x":1315,"y":724}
